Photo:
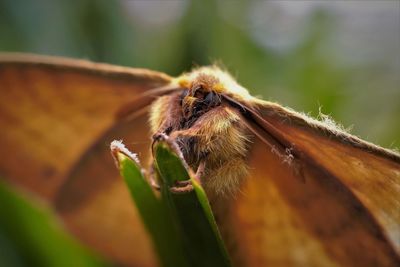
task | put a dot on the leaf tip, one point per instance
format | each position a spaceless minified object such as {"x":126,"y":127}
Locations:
{"x":118,"y":149}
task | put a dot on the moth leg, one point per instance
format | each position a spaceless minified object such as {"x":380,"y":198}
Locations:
{"x":159,"y":136}
{"x":152,"y":178}
{"x":200,"y":171}
{"x":197,"y":176}
{"x":187,"y":186}
{"x":180,"y":186}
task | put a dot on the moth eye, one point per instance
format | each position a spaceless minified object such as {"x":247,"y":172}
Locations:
{"x":212,"y":99}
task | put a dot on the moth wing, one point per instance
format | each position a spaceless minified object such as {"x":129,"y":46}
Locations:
{"x":52,"y":110}
{"x":95,"y":204}
{"x":315,"y":196}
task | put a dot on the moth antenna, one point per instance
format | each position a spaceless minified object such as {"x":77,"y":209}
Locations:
{"x":276,"y":138}
{"x":272,"y":137}
{"x":286,"y":154}
{"x":276,"y":147}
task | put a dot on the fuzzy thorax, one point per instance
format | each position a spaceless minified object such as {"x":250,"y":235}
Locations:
{"x":212,"y":78}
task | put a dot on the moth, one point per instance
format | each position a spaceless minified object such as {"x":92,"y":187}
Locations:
{"x":287,"y":190}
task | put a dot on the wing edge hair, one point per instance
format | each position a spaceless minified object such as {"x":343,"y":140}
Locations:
{"x":317,"y":126}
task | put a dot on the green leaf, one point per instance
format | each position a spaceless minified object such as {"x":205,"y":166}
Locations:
{"x":191,"y":210}
{"x":152,"y":210}
{"x":31,"y":236}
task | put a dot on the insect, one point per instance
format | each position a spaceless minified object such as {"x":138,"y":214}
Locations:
{"x":287,"y":190}
{"x":209,"y":131}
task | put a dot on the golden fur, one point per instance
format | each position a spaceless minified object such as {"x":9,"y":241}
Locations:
{"x":219,"y":138}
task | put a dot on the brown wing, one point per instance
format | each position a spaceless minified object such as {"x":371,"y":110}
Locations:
{"x":52,"y":110}
{"x":315,"y":196}
{"x":96,"y":206}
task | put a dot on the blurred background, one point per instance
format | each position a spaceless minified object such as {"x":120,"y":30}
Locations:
{"x":340,"y":57}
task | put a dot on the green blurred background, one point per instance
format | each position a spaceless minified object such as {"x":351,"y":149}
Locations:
{"x":342,"y":57}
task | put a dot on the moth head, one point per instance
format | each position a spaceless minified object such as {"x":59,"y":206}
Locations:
{"x":202,"y":81}
{"x":198,"y":99}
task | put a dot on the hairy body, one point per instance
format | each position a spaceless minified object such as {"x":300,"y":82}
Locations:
{"x":211,"y":134}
